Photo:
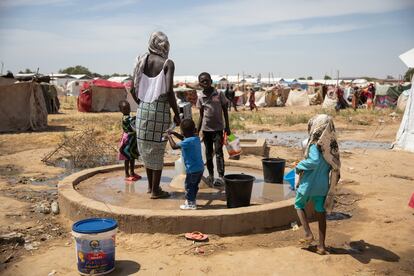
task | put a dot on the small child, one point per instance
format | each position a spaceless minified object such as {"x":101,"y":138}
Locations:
{"x":320,"y":172}
{"x":191,"y":151}
{"x":128,"y":150}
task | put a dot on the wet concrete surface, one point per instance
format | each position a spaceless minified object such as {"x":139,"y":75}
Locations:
{"x":294,"y":139}
{"x":111,"y":188}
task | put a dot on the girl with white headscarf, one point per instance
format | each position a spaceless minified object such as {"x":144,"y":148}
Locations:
{"x":152,"y":89}
{"x":320,"y":172}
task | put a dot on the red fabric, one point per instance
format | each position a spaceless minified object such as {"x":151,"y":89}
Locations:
{"x":85,"y":98}
{"x":106,"y":83}
{"x":128,"y":84}
{"x":411,"y":203}
{"x":85,"y":95}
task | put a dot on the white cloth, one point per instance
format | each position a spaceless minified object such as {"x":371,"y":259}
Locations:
{"x":150,"y":89}
{"x":405,"y":134}
{"x":158,"y":45}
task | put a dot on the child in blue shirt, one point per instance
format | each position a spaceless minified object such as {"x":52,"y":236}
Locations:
{"x":191,"y":151}
{"x":319,"y":174}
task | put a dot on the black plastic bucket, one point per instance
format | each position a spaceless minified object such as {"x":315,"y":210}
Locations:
{"x":273,"y":170}
{"x":238,"y":189}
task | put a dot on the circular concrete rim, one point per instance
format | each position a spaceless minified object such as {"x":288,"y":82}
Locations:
{"x":77,"y":206}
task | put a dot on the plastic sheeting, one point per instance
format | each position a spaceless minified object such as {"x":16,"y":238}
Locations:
{"x":22,"y":107}
{"x":405,"y":134}
{"x":101,"y":95}
{"x":298,"y":98}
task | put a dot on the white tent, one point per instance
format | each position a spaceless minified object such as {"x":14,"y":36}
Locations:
{"x":405,"y":135}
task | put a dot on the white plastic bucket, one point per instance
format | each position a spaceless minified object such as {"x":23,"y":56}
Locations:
{"x":95,"y":245}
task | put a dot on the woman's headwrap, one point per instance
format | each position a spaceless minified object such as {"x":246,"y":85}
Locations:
{"x":158,"y":44}
{"x":322,"y":133}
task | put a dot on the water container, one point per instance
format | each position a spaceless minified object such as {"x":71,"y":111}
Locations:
{"x":238,"y":189}
{"x":273,"y":170}
{"x":95,"y":245}
{"x":291,"y":177}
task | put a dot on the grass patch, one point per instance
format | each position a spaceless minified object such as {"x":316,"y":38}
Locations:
{"x":291,"y":120}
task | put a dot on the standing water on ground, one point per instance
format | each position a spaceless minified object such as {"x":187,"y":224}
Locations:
{"x":294,"y":139}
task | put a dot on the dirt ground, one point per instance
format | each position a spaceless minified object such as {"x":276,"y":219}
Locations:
{"x":376,"y":186}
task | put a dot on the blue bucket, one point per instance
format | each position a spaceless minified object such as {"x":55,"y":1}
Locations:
{"x":95,"y":245}
{"x":290,"y":177}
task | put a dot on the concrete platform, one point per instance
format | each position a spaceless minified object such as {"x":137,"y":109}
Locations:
{"x":76,"y":206}
{"x":254,"y":147}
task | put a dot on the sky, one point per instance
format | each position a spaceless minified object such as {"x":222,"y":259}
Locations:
{"x":295,"y":38}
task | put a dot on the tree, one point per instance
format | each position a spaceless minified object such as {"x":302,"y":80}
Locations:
{"x":408,"y":76}
{"x":389,"y":77}
{"x":26,"y":71}
{"x":78,"y":69}
{"x":326,"y":77}
{"x":309,"y":78}
{"x":301,"y":78}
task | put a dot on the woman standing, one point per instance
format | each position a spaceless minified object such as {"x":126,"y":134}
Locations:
{"x":153,"y":91}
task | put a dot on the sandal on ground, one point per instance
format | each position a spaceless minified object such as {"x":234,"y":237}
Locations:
{"x":196,"y":236}
{"x":130,"y":179}
{"x":136,"y":176}
{"x":160,"y":194}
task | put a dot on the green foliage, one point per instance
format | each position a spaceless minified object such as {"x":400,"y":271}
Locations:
{"x":301,"y":78}
{"x":26,"y":71}
{"x":309,"y":78}
{"x":78,"y":69}
{"x":409,"y":74}
{"x":291,"y":120}
{"x":326,"y":77}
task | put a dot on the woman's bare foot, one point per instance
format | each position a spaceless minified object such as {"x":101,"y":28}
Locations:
{"x":321,"y":250}
{"x":308,"y":240}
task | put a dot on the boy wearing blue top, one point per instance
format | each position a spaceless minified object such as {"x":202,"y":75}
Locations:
{"x":191,"y":151}
{"x":320,"y":172}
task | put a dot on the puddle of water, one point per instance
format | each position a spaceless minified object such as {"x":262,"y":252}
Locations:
{"x":111,"y":188}
{"x":293,"y":139}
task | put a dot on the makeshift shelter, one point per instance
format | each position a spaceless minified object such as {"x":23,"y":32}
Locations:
{"x":402,"y":100}
{"x":22,"y":107}
{"x":330,"y":100}
{"x":7,"y":81}
{"x":50,"y":95}
{"x":73,"y":87}
{"x":387,"y":95}
{"x":185,"y":94}
{"x":101,"y":95}
{"x":405,"y":134}
{"x":298,"y":98}
{"x":262,"y":99}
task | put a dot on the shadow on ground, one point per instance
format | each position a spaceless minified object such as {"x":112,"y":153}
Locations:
{"x":125,"y":267}
{"x":362,"y":251}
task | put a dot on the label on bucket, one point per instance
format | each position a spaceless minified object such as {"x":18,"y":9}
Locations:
{"x":95,"y":256}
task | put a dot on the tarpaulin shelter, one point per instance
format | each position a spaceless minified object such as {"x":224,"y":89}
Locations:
{"x":405,"y":134}
{"x":298,"y":98}
{"x":22,"y":107}
{"x":186,"y":94}
{"x":51,"y":98}
{"x":387,"y":95}
{"x":101,"y":95}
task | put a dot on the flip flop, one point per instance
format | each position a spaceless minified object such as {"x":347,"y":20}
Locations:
{"x":137,"y":176}
{"x":196,"y":236}
{"x":130,"y":179}
{"x":161,"y":194}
